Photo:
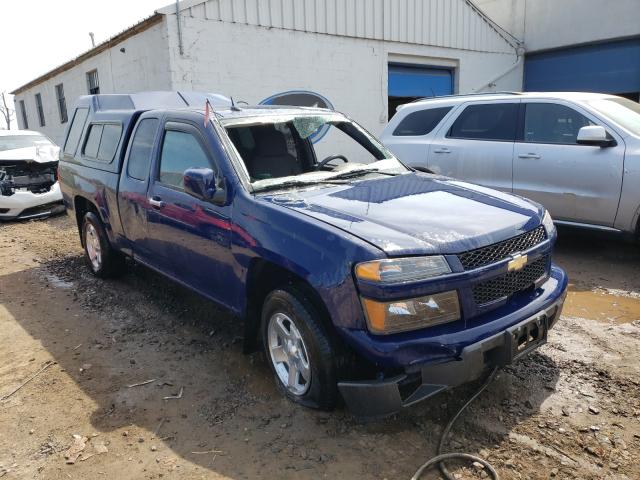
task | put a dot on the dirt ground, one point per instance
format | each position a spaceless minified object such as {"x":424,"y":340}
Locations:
{"x":570,"y":410}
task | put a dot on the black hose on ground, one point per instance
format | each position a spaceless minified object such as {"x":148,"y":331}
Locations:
{"x":441,"y":457}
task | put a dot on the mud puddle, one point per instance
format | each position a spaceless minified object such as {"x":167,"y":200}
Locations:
{"x":602,"y":306}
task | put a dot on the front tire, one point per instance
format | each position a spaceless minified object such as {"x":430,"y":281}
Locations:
{"x":299,"y":349}
{"x":103,"y":261}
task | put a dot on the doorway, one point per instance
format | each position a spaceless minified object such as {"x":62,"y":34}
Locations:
{"x":411,"y":82}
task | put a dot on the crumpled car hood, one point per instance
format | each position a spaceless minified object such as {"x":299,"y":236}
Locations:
{"x":40,"y":154}
{"x":417,"y":214}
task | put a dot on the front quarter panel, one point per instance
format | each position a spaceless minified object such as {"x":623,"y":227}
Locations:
{"x":315,"y":251}
{"x":629,"y":209}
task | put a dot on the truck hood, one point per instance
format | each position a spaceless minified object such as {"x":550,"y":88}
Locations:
{"x":417,"y":214}
{"x":40,"y":154}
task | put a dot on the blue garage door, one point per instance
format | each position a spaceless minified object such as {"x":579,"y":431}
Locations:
{"x":610,"y":67}
{"x":409,"y":82}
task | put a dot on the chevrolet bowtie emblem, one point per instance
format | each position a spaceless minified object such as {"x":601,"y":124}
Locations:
{"x":517,"y":262}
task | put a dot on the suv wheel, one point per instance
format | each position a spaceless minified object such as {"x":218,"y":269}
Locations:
{"x":101,"y":258}
{"x":298,"y":349}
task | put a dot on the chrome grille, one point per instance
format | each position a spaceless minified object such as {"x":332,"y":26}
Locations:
{"x":510,"y":283}
{"x":501,"y":250}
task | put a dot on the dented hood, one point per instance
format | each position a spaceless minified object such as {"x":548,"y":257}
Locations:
{"x":417,"y":214}
{"x":40,"y":154}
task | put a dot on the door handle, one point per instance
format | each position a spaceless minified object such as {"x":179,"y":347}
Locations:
{"x":442,"y":150}
{"x":529,"y":155}
{"x":155,"y":202}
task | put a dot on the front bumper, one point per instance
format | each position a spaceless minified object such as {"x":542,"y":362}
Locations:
{"x":25,"y":205}
{"x":420,"y":381}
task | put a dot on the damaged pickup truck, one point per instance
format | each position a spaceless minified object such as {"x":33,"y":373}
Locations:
{"x":28,"y":176}
{"x":360,"y":278}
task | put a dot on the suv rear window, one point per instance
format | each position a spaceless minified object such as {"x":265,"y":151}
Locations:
{"x":420,"y":122}
{"x":495,"y":121}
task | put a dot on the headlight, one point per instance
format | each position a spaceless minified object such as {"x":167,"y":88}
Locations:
{"x":547,"y":221}
{"x":402,"y":270}
{"x":412,"y":314}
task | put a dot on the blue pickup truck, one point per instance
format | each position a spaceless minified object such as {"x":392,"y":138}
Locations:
{"x":362,"y":279}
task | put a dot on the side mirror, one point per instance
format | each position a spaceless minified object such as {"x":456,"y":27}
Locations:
{"x":201,"y":183}
{"x":594,"y":135}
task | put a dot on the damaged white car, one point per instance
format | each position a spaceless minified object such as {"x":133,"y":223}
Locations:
{"x":28,"y":176}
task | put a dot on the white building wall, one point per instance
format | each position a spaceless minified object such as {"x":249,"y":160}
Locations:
{"x":546,"y":24}
{"x":442,"y":23}
{"x":252,"y":62}
{"x":142,"y":66}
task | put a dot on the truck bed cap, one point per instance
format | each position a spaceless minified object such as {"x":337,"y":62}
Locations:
{"x":152,"y":100}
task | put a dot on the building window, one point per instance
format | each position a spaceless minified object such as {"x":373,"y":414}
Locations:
{"x":23,"y":111}
{"x":93,"y":85}
{"x":62,"y":103}
{"x":39,"y":109}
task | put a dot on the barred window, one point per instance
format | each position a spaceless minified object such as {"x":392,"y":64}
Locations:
{"x":62,"y":103}
{"x":93,"y":85}
{"x":23,"y":112}
{"x":39,"y":109}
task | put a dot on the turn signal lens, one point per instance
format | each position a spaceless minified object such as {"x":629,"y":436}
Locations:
{"x":402,"y":315}
{"x":402,"y":270}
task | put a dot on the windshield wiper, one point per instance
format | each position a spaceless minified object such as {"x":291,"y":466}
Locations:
{"x":360,"y":172}
{"x":293,"y":184}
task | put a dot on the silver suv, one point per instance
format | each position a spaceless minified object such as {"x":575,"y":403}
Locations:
{"x":578,"y":154}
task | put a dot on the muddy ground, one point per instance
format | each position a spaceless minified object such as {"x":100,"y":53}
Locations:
{"x":571,"y":410}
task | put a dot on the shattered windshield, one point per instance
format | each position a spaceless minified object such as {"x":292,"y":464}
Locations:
{"x":12,"y":142}
{"x":300,"y":150}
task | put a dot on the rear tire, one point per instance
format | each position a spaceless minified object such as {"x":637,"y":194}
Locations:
{"x":296,"y":341}
{"x":103,"y":261}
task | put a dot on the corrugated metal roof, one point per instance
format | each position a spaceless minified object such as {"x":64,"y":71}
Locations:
{"x":444,"y":23}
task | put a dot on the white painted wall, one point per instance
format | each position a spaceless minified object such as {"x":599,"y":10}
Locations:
{"x":252,"y":62}
{"x":143,"y":66}
{"x":545,"y":24}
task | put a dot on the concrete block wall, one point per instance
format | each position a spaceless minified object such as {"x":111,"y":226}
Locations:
{"x":548,"y":24}
{"x":142,"y":66}
{"x":252,"y":63}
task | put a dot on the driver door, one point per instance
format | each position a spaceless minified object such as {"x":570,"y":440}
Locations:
{"x":577,"y":183}
{"x":192,"y":235}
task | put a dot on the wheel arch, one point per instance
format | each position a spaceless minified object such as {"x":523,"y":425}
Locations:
{"x":263,"y":276}
{"x":82,"y":206}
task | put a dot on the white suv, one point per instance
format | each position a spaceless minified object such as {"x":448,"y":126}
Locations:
{"x":578,"y":154}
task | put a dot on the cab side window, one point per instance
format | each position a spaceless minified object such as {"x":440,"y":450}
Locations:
{"x":491,"y":121}
{"x":141,"y":148}
{"x":552,"y":123}
{"x":180,"y":151}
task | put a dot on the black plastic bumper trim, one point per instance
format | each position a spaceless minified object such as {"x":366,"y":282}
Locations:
{"x":381,"y":398}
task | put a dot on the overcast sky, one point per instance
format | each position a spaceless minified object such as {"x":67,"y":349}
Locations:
{"x":38,"y":35}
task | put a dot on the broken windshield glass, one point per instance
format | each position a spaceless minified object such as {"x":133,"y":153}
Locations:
{"x":307,"y":148}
